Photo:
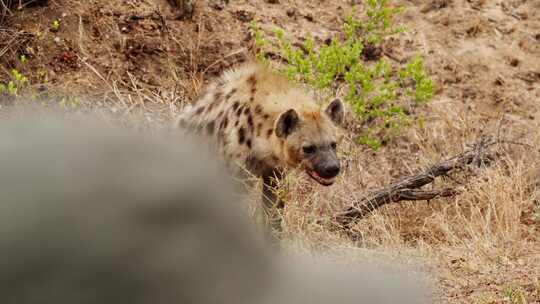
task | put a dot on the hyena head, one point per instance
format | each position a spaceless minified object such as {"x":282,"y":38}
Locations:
{"x":310,"y":140}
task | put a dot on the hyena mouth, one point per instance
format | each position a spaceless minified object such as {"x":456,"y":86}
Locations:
{"x":321,"y":180}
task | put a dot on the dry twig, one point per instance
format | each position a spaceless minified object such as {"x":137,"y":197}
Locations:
{"x":408,"y":188}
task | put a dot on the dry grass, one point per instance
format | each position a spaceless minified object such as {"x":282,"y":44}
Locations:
{"x":479,"y":245}
{"x":482,"y":246}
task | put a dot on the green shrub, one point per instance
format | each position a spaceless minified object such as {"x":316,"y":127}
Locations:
{"x":378,"y":92}
{"x":55,"y":25}
{"x":14,"y":85}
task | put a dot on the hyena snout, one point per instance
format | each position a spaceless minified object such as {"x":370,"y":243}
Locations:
{"x":324,"y":168}
{"x":329,"y":168}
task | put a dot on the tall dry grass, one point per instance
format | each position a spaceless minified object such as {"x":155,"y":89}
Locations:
{"x":476,"y":244}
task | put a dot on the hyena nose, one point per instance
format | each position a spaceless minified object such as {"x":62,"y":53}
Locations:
{"x":330,"y":170}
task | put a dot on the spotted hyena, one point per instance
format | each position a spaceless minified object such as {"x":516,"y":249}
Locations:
{"x":263,"y":123}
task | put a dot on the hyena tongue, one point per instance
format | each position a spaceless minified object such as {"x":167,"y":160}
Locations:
{"x":320,"y":179}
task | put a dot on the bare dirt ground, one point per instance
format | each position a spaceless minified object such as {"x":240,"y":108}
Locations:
{"x":136,"y":57}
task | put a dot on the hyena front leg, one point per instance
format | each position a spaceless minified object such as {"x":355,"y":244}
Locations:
{"x":272,"y":204}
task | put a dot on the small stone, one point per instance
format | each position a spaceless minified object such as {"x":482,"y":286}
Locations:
{"x":244,"y":15}
{"x":371,"y":52}
{"x":218,"y":4}
{"x":291,"y":12}
{"x":514,"y":62}
{"x":523,"y":15}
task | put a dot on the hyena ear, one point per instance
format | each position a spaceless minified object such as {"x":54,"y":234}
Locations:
{"x":286,"y":123}
{"x":336,"y":111}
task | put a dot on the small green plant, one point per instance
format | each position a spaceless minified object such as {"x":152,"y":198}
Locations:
{"x":380,"y":23}
{"x":378,"y":92}
{"x":42,"y":75}
{"x":260,"y":41}
{"x":414,"y":70}
{"x":14,"y":85}
{"x":55,"y":26}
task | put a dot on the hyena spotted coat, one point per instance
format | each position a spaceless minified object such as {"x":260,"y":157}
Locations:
{"x":260,"y":121}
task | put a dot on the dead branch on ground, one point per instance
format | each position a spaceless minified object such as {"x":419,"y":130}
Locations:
{"x":408,"y":188}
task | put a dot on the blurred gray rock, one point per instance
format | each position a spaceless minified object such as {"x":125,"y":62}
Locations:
{"x":93,"y":214}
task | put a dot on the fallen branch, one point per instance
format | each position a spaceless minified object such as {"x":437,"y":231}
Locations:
{"x":407,"y":189}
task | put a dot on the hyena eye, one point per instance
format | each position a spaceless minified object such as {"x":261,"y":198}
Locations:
{"x":333,"y":145}
{"x":309,"y":149}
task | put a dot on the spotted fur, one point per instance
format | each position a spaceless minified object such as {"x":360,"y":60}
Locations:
{"x":260,"y":121}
